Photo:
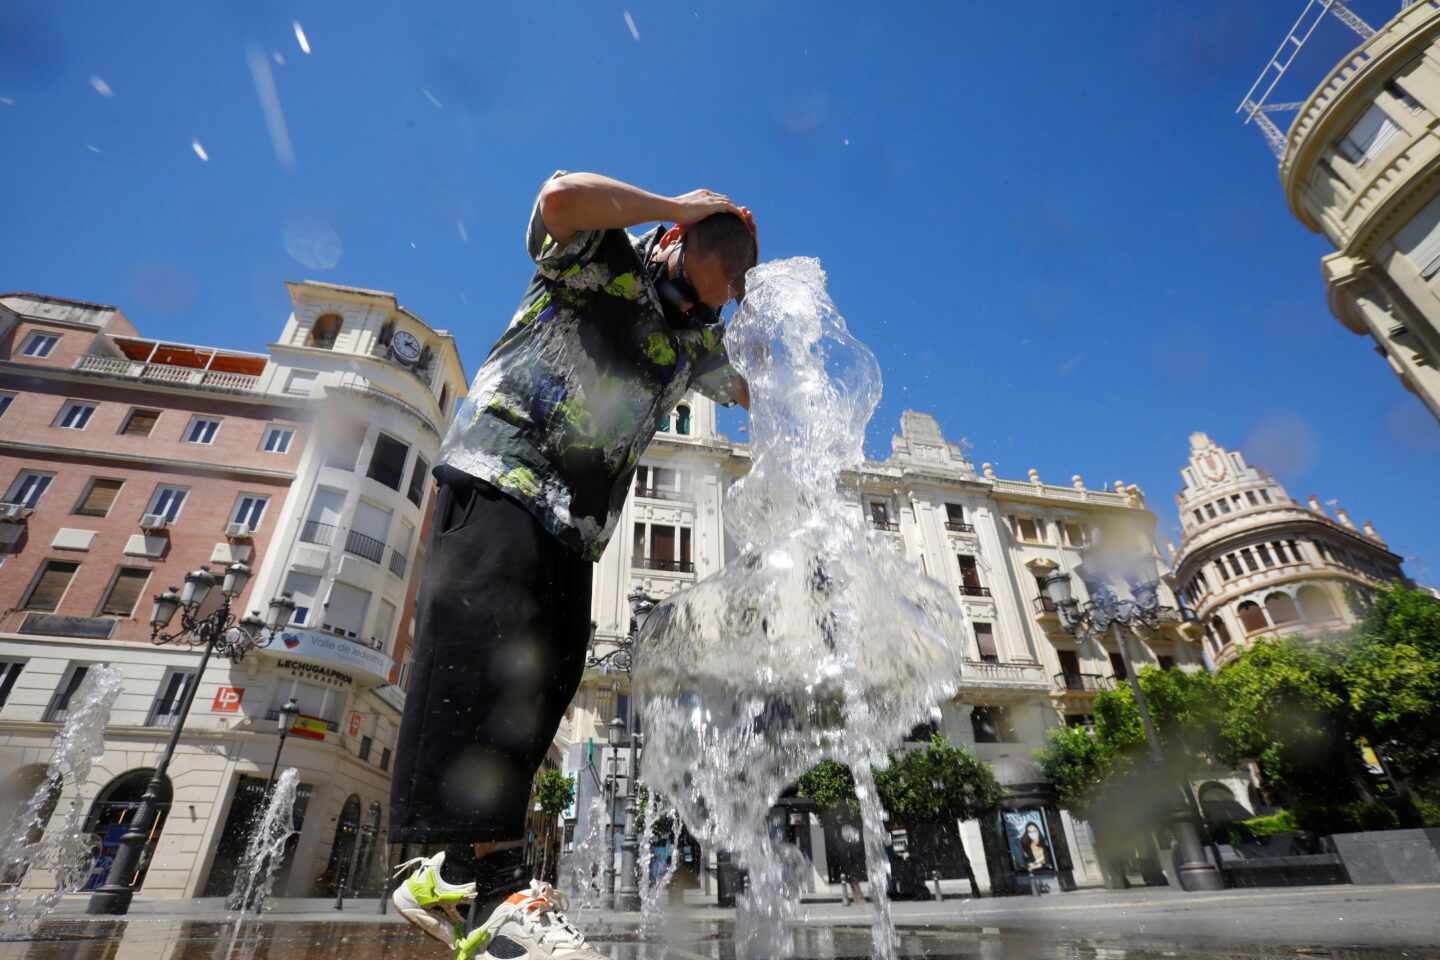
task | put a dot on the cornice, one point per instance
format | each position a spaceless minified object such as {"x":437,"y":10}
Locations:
{"x":147,"y":462}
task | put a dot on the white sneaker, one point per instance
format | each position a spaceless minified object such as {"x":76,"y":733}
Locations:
{"x":532,"y":923}
{"x":430,"y":903}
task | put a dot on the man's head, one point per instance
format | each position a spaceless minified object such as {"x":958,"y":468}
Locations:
{"x":717,"y":253}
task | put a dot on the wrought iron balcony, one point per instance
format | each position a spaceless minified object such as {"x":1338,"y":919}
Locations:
{"x":892,"y":526}
{"x":956,"y":526}
{"x":654,"y":563}
{"x":974,"y":590}
{"x":1082,"y":682}
{"x":663,"y":493}
{"x":365,"y":546}
{"x":397,"y":562}
{"x":313,"y":531}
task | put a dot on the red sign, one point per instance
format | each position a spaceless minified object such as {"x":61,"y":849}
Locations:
{"x":227,"y":700}
{"x":354,"y":724}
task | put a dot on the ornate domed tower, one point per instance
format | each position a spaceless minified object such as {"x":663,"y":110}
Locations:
{"x":1254,"y":562}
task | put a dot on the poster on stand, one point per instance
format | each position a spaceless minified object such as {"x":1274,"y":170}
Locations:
{"x":1031,"y":852}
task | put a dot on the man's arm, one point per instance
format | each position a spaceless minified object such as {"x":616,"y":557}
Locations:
{"x":589,"y":201}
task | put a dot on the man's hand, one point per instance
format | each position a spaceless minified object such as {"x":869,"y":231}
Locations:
{"x":699,"y":204}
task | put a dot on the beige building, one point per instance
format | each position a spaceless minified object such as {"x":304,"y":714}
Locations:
{"x":987,"y":537}
{"x":1252,"y":561}
{"x":130,"y":461}
{"x":1359,"y":165}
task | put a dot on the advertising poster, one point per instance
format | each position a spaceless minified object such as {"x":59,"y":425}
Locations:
{"x":1030,"y":848}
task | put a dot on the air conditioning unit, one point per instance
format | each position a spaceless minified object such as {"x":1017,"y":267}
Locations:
{"x":237,"y":531}
{"x":153,"y":522}
{"x":14,"y":512}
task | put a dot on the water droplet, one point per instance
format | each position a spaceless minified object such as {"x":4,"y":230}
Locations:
{"x":630,"y":22}
{"x":300,"y":37}
{"x":199,"y":149}
{"x":101,"y":87}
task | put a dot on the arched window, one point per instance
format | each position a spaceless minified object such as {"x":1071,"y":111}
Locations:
{"x":665,"y":424}
{"x":682,"y":420}
{"x":444,"y":400}
{"x":342,"y":849}
{"x":110,"y":819}
{"x":367,"y":880}
{"x":1315,"y":605}
{"x":1221,"y":632}
{"x":325,"y":330}
{"x":1281,"y":607}
{"x":1252,"y":617}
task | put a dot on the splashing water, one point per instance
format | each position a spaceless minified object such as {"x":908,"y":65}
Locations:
{"x":264,"y":855}
{"x":64,"y":851}
{"x":653,"y":887}
{"x":818,"y":641}
{"x":587,"y":864}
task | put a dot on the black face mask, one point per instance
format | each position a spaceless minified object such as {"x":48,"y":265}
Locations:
{"x":677,"y":291}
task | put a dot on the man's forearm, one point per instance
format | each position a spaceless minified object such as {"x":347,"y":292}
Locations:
{"x":589,"y":201}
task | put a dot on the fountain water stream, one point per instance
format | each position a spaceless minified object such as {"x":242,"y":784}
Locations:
{"x":60,"y":848}
{"x":260,"y":864}
{"x":820,"y":640}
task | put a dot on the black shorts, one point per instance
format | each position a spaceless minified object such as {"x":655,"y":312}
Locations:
{"x":503,"y":625}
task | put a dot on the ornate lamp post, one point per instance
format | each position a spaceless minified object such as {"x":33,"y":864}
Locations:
{"x":1107,"y":612}
{"x":616,"y":735}
{"x":284,"y":721}
{"x":215,"y":632}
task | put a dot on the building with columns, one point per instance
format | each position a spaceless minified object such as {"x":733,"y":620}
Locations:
{"x":1253,"y":562}
{"x":988,"y":538}
{"x":127,"y":461}
{"x":1360,"y":165}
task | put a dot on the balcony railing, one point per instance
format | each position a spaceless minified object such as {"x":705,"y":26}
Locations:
{"x":981,"y":673}
{"x":397,"y":562}
{"x":663,"y":493}
{"x":653,"y":563}
{"x":363,"y":546}
{"x":1082,"y":682}
{"x":313,"y":531}
{"x":1044,"y":606}
{"x":892,"y":526}
{"x":957,"y":526}
{"x":973,"y":590}
{"x":166,"y":373}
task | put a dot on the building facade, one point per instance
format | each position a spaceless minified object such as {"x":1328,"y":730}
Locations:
{"x":1252,"y":561}
{"x":990,"y":539}
{"x":128,"y":461}
{"x":1361,"y":165}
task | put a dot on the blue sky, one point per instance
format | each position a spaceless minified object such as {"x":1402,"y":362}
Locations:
{"x":1044,"y":218}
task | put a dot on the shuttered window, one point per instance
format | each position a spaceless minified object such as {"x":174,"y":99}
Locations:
{"x":1419,"y":240}
{"x":140,"y":423}
{"x":1369,"y":137}
{"x":985,"y":640}
{"x":125,"y":591}
{"x":48,"y":590}
{"x":99,"y":498}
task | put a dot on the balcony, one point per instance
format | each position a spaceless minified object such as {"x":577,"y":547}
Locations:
{"x":955,"y":526}
{"x":313,"y":531}
{"x":974,"y":590}
{"x":890,"y":526}
{"x":364,"y":546}
{"x":663,"y":493}
{"x":983,"y":674}
{"x":1082,"y":682}
{"x":653,"y":563}
{"x":177,"y":365}
{"x":397,"y":563}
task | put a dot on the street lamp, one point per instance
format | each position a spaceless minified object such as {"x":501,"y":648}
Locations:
{"x":214,"y":632}
{"x":285,"y":719}
{"x":641,"y":604}
{"x":1107,"y":612}
{"x":615,"y":735}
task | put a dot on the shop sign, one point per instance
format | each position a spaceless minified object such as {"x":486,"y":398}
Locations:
{"x":317,"y":673}
{"x":311,"y":728}
{"x":372,"y":666}
{"x":227,"y":700}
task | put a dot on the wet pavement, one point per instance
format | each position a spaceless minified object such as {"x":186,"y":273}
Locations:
{"x":1343,"y":922}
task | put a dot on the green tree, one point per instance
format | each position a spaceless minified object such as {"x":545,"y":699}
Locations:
{"x":1079,"y":764}
{"x":664,"y":824}
{"x":831,"y":785}
{"x":554,"y":791}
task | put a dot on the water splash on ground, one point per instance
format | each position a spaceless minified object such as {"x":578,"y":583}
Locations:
{"x":60,"y":851}
{"x":587,"y":861}
{"x":819,"y":640}
{"x":261,"y":862}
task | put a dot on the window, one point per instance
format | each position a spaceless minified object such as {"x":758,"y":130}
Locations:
{"x":1224,"y":507}
{"x":303,"y":588}
{"x":39,"y":344}
{"x":1075,"y":535}
{"x":1393,"y":88}
{"x":992,"y":724}
{"x":879,"y":513}
{"x":9,"y":673}
{"x":682,"y":420}
{"x":384,"y":624}
{"x":1210,"y":510}
{"x":1026,"y":530}
{"x":314,"y":700}
{"x":662,"y":542}
{"x":202,"y":430}
{"x":125,"y":591}
{"x":169,"y":698}
{"x":1280,"y":552}
{"x":139,"y":423}
{"x":387,"y":461}
{"x":1264,"y":553}
{"x":343,"y":446}
{"x":1281,"y":608}
{"x":70,"y":682}
{"x":28,"y":488}
{"x":1315,"y":605}
{"x":1199,"y":517}
{"x":1295,"y":549}
{"x":969,"y":572}
{"x":277,"y":439}
{"x":1235,"y":564}
{"x":1222,"y":632}
{"x":1265,"y":495}
{"x":444,"y":400}
{"x":1250,"y":496}
{"x":1249,"y":559}
{"x":1224,"y":574}
{"x":369,"y":528}
{"x":1252,"y":617}
{"x":167,"y":502}
{"x":385,"y":758}
{"x":51,"y":585}
{"x":325,"y":331}
{"x":1076,"y":721}
{"x":985,"y":642}
{"x":5,"y":400}
{"x":1324,"y":549}
{"x":1117,"y":667}
{"x":75,"y":414}
{"x":954,"y":513}
{"x":249,"y":511}
{"x":1419,"y":240}
{"x":345,"y":612}
{"x":1369,"y":136}
{"x":366,"y":745}
{"x":301,"y":383}
{"x":99,"y":497}
{"x":418,"y":474}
